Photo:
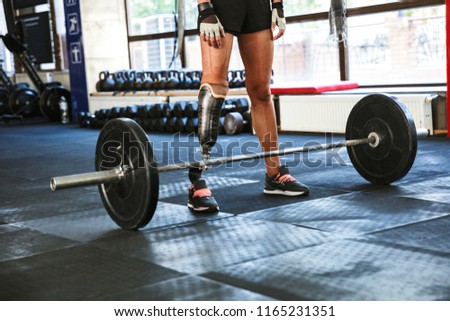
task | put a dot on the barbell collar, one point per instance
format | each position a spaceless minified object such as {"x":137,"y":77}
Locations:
{"x":422,"y":133}
{"x":86,"y":179}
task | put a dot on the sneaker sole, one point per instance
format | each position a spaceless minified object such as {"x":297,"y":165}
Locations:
{"x":203,"y":209}
{"x":285,"y":193}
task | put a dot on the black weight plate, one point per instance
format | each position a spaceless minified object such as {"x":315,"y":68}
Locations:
{"x":132,"y":202}
{"x":4,"y":97}
{"x":390,"y":119}
{"x":23,"y":101}
{"x":49,"y":102}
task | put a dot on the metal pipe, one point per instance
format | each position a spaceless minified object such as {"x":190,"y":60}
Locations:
{"x":238,"y":158}
{"x":116,"y":174}
{"x":86,"y":179}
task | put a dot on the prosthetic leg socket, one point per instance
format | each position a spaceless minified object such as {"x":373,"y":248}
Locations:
{"x":209,"y":106}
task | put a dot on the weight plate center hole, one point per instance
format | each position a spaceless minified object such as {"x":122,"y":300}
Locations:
{"x":374,"y":140}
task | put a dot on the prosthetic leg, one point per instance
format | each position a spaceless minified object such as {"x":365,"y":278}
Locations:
{"x":209,"y":106}
{"x":210,"y":101}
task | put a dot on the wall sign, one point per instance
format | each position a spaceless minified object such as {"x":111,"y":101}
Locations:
{"x":77,"y":63}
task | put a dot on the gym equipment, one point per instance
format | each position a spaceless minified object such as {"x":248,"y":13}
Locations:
{"x":235,"y":123}
{"x":167,"y":110}
{"x":191,"y":125}
{"x":105,"y":82}
{"x":136,"y":77}
{"x":230,"y":105}
{"x":173,"y":80}
{"x":381,"y":141}
{"x":179,"y":109}
{"x":51,"y":94}
{"x":4,"y":96}
{"x":185,"y":80}
{"x":147,"y":80}
{"x":17,"y":99}
{"x":119,"y":81}
{"x":179,"y":125}
{"x":191,"y":110}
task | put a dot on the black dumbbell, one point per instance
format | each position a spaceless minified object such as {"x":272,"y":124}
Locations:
{"x":100,"y":114}
{"x":152,"y":124}
{"x":228,"y":107}
{"x":85,"y":120}
{"x":131,"y":111}
{"x":221,"y":125}
{"x":179,"y":108}
{"x":167,"y":110}
{"x":160,"y":124}
{"x":191,"y":110}
{"x":114,"y":113}
{"x":235,"y":123}
{"x":156,"y":110}
{"x":92,"y":121}
{"x":143,"y":111}
{"x":170,"y":124}
{"x":242,"y":105}
{"x":179,"y":125}
{"x":191,"y":125}
{"x":248,"y":127}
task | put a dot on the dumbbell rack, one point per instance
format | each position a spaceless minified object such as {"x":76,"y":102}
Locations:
{"x":99,"y":100}
{"x":173,"y":117}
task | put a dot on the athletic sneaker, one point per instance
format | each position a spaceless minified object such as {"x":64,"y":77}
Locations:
{"x":201,"y":199}
{"x":284,"y":184}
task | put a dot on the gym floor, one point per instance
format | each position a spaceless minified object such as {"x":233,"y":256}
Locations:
{"x":348,"y":240}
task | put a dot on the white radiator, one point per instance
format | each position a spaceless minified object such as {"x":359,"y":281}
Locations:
{"x":329,"y":113}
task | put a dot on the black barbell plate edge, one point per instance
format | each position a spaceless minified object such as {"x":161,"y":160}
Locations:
{"x":49,"y":102}
{"x":132,"y":202}
{"x":23,"y":101}
{"x":393,"y":115}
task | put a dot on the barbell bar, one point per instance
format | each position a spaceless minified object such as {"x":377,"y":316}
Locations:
{"x":381,"y":140}
{"x":115,"y":175}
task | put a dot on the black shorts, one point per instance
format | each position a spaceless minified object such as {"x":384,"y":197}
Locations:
{"x":243,"y":16}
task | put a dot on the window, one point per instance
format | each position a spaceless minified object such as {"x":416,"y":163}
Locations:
{"x":305,"y":53}
{"x":389,"y":42}
{"x":5,"y":56}
{"x":406,"y":46}
{"x":150,"y":17}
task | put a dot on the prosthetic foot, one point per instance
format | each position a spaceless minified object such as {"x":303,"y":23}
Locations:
{"x":210,"y":101}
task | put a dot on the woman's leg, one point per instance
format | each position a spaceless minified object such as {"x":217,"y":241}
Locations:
{"x":215,"y":62}
{"x":213,"y":90}
{"x":212,"y":93}
{"x":257,"y":55}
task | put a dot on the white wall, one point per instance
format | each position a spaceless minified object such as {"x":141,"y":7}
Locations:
{"x":105,"y":38}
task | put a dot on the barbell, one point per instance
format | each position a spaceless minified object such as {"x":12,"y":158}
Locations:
{"x":381,"y":140}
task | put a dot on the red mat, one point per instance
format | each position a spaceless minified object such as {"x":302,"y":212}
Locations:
{"x":309,"y":88}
